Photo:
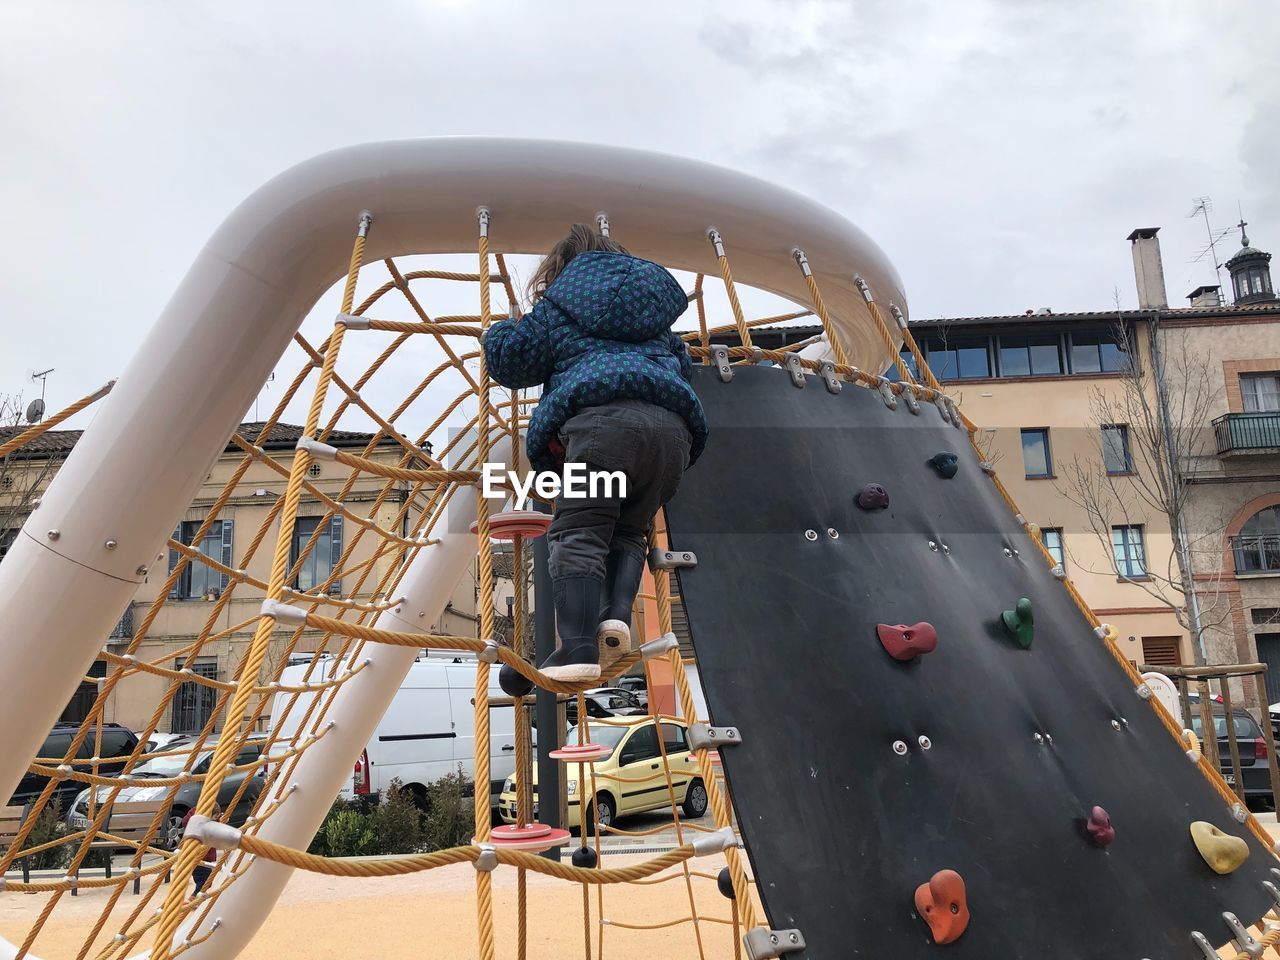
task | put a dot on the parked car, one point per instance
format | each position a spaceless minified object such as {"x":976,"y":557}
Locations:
{"x":426,"y":732}
{"x":604,"y":702}
{"x":637,"y":686}
{"x":117,"y":741}
{"x":187,"y":794}
{"x":1255,"y":768}
{"x":162,"y":742}
{"x":635,"y":757}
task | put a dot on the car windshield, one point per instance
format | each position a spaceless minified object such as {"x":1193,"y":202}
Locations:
{"x":604,"y":734}
{"x":1246,"y":729}
{"x":168,"y":766}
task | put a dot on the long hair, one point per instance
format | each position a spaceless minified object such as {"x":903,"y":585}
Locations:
{"x":581,"y":239}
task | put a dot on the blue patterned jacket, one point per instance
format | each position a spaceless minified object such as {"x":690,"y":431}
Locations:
{"x":601,"y":332}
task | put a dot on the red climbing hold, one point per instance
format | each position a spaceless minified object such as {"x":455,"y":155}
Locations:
{"x":941,"y":903}
{"x":1101,"y":832}
{"x":516,"y":523}
{"x":872,"y":497}
{"x":907,"y":643}
{"x":581,"y":752}
{"x":532,"y":837}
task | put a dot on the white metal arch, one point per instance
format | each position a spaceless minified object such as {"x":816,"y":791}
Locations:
{"x":230,"y":320}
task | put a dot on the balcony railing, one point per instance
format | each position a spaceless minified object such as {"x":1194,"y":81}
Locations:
{"x":123,"y":630}
{"x":1257,"y":554}
{"x":1245,"y":432}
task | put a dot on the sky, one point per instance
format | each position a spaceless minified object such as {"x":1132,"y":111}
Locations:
{"x":999,"y":151}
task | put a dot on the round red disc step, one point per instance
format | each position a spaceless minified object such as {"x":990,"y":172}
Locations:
{"x":531,"y":837}
{"x":581,"y":752}
{"x":515,"y":523}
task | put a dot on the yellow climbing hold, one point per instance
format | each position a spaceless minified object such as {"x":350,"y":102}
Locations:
{"x":1221,"y":851}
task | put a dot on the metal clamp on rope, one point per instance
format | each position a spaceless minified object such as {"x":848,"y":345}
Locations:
{"x":283,"y":612}
{"x":482,"y":218}
{"x":897,"y":315}
{"x":987,"y":467}
{"x":1143,"y":691}
{"x":909,"y":395}
{"x":956,"y":420}
{"x":703,"y":736}
{"x":490,"y":652}
{"x":941,"y":404}
{"x":827,"y":371}
{"x":794,"y":368}
{"x":720,"y":354}
{"x":220,"y":836}
{"x":1059,"y":571}
{"x":487,"y":862}
{"x":318,"y":450}
{"x":864,"y":289}
{"x":659,"y":647}
{"x":765,"y":944}
{"x":714,"y":236}
{"x":660,"y":559}
{"x":757,"y":355}
{"x":715,"y":842}
{"x":886,"y":393}
{"x":1245,"y":941}
{"x":1240,"y":812}
{"x":602,"y":222}
{"x":352,"y":322}
{"x":1206,"y":949}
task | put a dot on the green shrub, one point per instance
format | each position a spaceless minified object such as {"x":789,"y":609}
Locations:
{"x":449,"y":821}
{"x":318,"y":845}
{"x":347,"y":834}
{"x":396,"y":822}
{"x":49,"y":826}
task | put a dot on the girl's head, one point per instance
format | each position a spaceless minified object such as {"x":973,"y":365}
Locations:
{"x":581,"y":239}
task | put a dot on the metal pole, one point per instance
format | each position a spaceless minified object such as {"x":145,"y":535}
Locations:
{"x":550,"y":728}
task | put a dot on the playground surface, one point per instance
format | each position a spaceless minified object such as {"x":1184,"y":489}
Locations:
{"x":429,"y":914}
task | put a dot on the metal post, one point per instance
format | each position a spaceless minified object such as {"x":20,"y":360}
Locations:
{"x":550,"y":726}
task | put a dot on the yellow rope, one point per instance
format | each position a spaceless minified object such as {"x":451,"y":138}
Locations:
{"x":837,"y":348}
{"x":35,"y":430}
{"x":739,"y":321}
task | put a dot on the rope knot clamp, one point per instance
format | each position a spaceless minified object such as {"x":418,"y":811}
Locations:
{"x":212,"y":833}
{"x":909,"y":395}
{"x":660,"y":559}
{"x":757,"y":356}
{"x":886,"y":393}
{"x":1241,"y":935}
{"x":941,"y":404}
{"x":720,"y":354}
{"x":487,"y":861}
{"x":795,"y":369}
{"x":695,"y":295}
{"x":490,"y":652}
{"x":659,"y":646}
{"x":827,"y":371}
{"x":1059,"y":571}
{"x":714,"y":236}
{"x":602,"y":223}
{"x":987,"y":467}
{"x":703,"y":736}
{"x":716,"y":842}
{"x":317,"y":450}
{"x":482,"y":218}
{"x":897,"y":315}
{"x":366,"y":221}
{"x":765,"y":944}
{"x":1206,"y":949}
{"x":802,"y":261}
{"x":863,"y":289}
{"x":351,"y":321}
{"x":956,"y":421}
{"x":283,"y":612}
{"x":1143,"y":691}
{"x":1240,"y":812}
{"x":1100,"y":631}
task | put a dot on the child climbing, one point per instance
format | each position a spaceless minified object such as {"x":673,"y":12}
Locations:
{"x":616,"y":397}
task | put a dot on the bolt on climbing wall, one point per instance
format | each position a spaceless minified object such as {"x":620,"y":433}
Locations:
{"x":938,"y":755}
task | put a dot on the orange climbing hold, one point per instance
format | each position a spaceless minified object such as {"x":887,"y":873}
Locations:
{"x":941,"y":903}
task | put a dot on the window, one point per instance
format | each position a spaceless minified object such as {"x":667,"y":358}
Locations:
{"x":317,"y":565}
{"x":959,"y":358}
{"x":1027,"y":356}
{"x":6,"y":541}
{"x":1257,"y":547}
{"x":1162,"y":651}
{"x":643,"y":745}
{"x":1260,"y":392}
{"x":1265,"y":617}
{"x":1097,"y":353}
{"x":199,"y":580}
{"x":1035,"y":453}
{"x":909,"y":360}
{"x":1130,"y":555}
{"x":1052,"y":538}
{"x":193,"y":704}
{"x":673,"y":740}
{"x":1115,"y":449}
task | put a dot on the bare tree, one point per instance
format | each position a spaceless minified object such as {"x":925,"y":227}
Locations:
{"x":1141,"y":470}
{"x":24,"y":472}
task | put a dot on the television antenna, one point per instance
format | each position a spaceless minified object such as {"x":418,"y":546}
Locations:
{"x":1200,"y":208}
{"x":36,"y":408}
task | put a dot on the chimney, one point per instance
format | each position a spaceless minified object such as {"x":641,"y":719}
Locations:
{"x":1210,"y":296}
{"x":1147,"y":269}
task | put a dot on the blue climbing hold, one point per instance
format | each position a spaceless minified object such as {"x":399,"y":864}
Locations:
{"x":946,"y":464}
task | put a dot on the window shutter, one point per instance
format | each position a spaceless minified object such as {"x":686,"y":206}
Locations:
{"x":174,"y":557}
{"x":226,"y":551}
{"x":335,"y":550}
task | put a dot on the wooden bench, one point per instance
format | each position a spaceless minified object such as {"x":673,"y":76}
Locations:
{"x":11,"y":821}
{"x":128,"y":823}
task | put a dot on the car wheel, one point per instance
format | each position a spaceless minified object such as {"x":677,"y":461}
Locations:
{"x":604,"y":811}
{"x":172,"y":829}
{"x":695,"y":800}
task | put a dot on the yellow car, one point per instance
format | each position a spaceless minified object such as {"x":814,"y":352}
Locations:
{"x":635,"y":758}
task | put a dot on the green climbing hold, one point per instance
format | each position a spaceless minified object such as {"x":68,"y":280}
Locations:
{"x":1020,"y":623}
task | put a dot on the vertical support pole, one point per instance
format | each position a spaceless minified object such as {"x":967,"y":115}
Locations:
{"x":1269,"y":734}
{"x":549,"y":731}
{"x":1208,"y":736}
{"x":1232,"y":743}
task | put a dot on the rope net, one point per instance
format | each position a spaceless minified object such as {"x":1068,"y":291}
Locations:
{"x":391,"y":492}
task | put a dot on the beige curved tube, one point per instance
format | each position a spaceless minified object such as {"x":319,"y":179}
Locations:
{"x":105,"y":518}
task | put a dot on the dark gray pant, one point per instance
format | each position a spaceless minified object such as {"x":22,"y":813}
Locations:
{"x":647,"y":443}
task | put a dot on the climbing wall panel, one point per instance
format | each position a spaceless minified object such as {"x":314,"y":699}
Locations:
{"x":859,"y":775}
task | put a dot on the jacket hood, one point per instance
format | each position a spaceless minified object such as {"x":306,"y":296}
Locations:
{"x":618,"y":297}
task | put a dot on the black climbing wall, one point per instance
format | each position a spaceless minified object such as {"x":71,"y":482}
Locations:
{"x":841,"y":830}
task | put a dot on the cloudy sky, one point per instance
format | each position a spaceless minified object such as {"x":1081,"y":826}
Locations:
{"x":998,"y":150}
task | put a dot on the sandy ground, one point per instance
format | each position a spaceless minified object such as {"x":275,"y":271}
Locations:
{"x":431,"y":915}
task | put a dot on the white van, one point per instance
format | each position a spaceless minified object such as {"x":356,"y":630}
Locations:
{"x":427,"y":732}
